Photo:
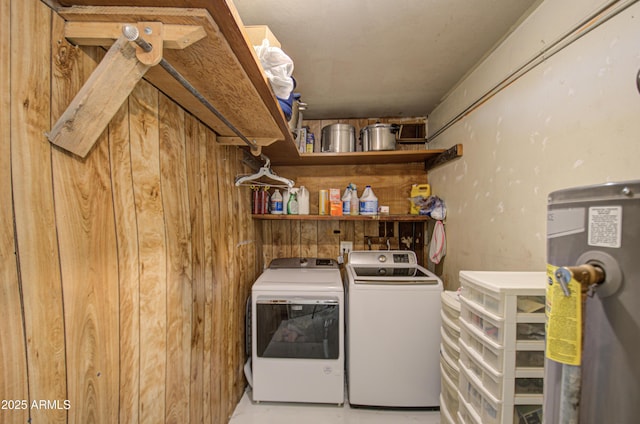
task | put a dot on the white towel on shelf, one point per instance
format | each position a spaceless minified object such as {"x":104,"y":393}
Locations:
{"x":438,"y":245}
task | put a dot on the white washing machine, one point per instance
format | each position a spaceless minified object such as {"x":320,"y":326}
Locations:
{"x":297,"y":332}
{"x":393,"y":331}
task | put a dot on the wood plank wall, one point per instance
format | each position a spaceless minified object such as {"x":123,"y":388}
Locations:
{"x":13,"y":359}
{"x":312,"y":238}
{"x":124,"y":275}
{"x":391,"y":183}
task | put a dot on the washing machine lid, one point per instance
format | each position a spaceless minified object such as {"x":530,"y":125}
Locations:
{"x":389,"y":267}
{"x":391,"y":272}
{"x":392,"y":276}
{"x":299,"y":279}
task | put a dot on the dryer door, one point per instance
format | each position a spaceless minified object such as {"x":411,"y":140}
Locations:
{"x":298,"y":327}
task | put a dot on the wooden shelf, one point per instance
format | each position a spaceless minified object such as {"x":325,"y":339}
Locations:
{"x":354,"y":158}
{"x":224,"y":68}
{"x":430,"y":158}
{"x":420,"y":140}
{"x":404,"y":218}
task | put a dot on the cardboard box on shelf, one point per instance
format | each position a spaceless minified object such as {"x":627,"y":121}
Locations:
{"x":336,"y":208}
{"x":257,"y":33}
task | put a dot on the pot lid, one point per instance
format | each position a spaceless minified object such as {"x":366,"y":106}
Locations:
{"x":338,"y":127}
{"x":381,"y":125}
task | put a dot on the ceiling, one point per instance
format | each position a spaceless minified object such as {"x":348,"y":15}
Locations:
{"x":381,"y":58}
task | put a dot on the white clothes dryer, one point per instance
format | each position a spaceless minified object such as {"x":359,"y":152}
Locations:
{"x":297,"y":333}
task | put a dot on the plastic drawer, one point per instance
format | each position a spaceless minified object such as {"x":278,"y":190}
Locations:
{"x":466,"y":413}
{"x":530,"y":304}
{"x":530,"y":359}
{"x":530,"y":331}
{"x":527,"y":414}
{"x":451,"y":305}
{"x":480,"y":296}
{"x":522,"y":414}
{"x":528,"y":385}
{"x":489,"y":410}
{"x":492,"y":356}
{"x":451,"y":329}
{"x":491,"y":381}
{"x":449,"y":346}
{"x":450,"y":367}
{"x":489,"y":290}
{"x":448,"y":393}
{"x":493,"y":329}
{"x":446,"y":416}
{"x":470,"y":393}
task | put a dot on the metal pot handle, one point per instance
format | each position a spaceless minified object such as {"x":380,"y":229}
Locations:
{"x":364,"y":137}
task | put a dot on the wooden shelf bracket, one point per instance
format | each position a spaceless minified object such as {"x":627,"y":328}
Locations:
{"x":446,"y":156}
{"x":124,"y":65}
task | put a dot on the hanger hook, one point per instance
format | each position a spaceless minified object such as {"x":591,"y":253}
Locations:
{"x":267,"y":161}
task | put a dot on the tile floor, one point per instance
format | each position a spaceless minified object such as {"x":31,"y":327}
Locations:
{"x":248,"y":412}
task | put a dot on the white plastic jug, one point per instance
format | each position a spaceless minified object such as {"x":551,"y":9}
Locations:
{"x":276,"y":203}
{"x":346,"y":201}
{"x":368,"y":202}
{"x":285,"y":199}
{"x":303,"y":201}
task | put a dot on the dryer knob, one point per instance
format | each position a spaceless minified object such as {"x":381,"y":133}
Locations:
{"x":382,"y":258}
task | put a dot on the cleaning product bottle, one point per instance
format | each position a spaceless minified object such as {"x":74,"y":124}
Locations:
{"x":419,"y":193}
{"x":368,"y":202}
{"x":292,"y":205}
{"x":276,"y":203}
{"x":255,"y":201}
{"x":303,"y":201}
{"x":265,"y":200}
{"x":285,"y":199}
{"x":346,"y":201}
{"x":354,"y":207}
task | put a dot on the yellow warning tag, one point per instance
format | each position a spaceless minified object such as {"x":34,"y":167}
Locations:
{"x":563,"y":320}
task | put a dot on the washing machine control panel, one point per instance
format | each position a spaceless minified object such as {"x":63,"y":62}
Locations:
{"x":386,"y":257}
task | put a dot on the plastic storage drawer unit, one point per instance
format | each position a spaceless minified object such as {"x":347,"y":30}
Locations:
{"x":501,"y":347}
{"x":450,"y":353}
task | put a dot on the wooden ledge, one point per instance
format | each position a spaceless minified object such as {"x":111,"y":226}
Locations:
{"x":220,"y":73}
{"x":104,"y":34}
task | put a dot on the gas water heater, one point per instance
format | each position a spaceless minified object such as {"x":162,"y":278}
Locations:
{"x":592,"y":364}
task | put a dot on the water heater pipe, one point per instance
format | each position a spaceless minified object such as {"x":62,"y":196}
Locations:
{"x":589,"y":276}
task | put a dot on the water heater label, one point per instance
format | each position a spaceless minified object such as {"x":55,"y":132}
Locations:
{"x":563,"y":326}
{"x":605,"y":226}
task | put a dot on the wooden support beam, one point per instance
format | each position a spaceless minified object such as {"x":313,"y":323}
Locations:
{"x":115,"y":77}
{"x":99,"y":99}
{"x":237,"y":141}
{"x":446,"y":156}
{"x":103,"y":34}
